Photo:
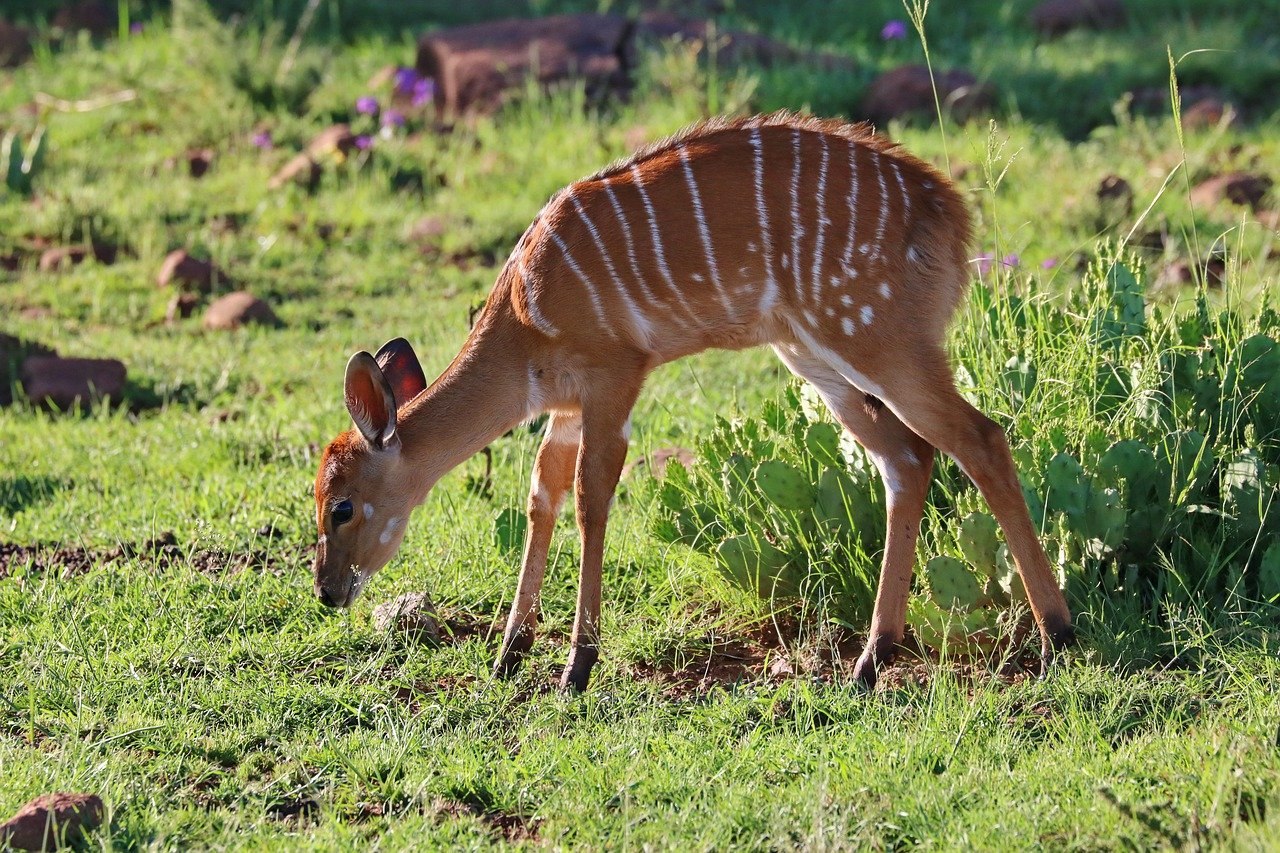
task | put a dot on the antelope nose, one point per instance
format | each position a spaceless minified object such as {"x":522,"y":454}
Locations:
{"x":325,"y":598}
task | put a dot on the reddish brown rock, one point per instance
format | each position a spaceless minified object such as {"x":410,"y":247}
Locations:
{"x":477,"y":66}
{"x":99,"y":18}
{"x":1211,"y":272}
{"x":58,"y":257}
{"x":657,"y":462}
{"x":187,"y":272}
{"x":15,"y":44}
{"x":908,"y":90}
{"x":51,"y":821}
{"x":1210,"y":113}
{"x":64,"y":383}
{"x":238,"y":309}
{"x":13,"y":351}
{"x":1237,"y":187}
{"x":334,"y":142}
{"x":1056,"y":17}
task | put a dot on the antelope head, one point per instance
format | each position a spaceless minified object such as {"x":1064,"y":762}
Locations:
{"x":363,"y":492}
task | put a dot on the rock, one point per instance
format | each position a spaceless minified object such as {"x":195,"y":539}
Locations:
{"x":238,"y":309}
{"x":332,"y":143}
{"x":64,"y":383}
{"x":658,"y":461}
{"x":99,"y":18}
{"x":15,"y":44}
{"x":189,"y":273}
{"x":1154,"y":100}
{"x":1236,"y":187}
{"x":13,"y":351}
{"x":59,"y":257}
{"x":51,"y":821}
{"x":1056,"y":17}
{"x":412,"y":615}
{"x":477,"y":66}
{"x":181,"y":306}
{"x":1210,"y":113}
{"x":1211,"y":272}
{"x":907,"y":90}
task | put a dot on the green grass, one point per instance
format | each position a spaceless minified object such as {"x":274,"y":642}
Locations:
{"x":202,"y":699}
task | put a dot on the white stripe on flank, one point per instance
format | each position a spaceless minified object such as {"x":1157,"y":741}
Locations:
{"x":639,"y":323}
{"x":906,"y":199}
{"x":631,"y":247}
{"x":884,"y":208}
{"x":657,"y":242}
{"x":596,"y":305}
{"x":769,"y":295}
{"x":853,"y":203}
{"x":796,"y":231}
{"x":822,"y":220}
{"x":702,"y":229}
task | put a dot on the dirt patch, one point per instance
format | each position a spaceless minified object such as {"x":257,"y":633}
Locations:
{"x":70,"y":560}
{"x":505,"y":825}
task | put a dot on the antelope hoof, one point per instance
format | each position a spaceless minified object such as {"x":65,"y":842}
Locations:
{"x":512,"y":654}
{"x":578,"y":672}
{"x":1053,"y":641}
{"x":880,"y":652}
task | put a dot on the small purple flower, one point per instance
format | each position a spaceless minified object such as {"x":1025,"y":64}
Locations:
{"x":424,"y":91}
{"x":984,"y":262}
{"x":392,"y":118}
{"x":136,"y":28}
{"x":364,"y":142}
{"x":367,"y":106}
{"x":406,"y":79}
{"x":894,"y":31}
{"x":1012,"y":261}
{"x":1048,"y":263}
{"x":262,"y":139}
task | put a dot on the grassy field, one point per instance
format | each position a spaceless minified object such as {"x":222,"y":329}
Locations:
{"x":159,"y":641}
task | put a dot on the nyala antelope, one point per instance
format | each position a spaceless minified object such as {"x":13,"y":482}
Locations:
{"x":845,"y":254}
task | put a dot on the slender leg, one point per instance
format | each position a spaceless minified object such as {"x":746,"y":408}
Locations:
{"x":552,"y":477}
{"x":905,"y":462}
{"x":923,"y":395}
{"x":605,"y":431}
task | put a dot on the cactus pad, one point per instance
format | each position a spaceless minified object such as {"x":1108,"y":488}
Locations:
{"x":784,"y":486}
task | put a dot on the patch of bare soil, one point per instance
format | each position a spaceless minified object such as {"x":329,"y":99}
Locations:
{"x":505,"y":825}
{"x":71,"y":560}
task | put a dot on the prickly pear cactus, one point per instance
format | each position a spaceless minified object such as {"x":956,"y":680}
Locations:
{"x":1068,"y":486}
{"x":979,"y":538}
{"x":784,"y":486}
{"x":754,"y":564}
{"x":951,"y":584}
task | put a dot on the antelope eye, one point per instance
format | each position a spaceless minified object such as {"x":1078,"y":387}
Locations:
{"x":341,"y":512}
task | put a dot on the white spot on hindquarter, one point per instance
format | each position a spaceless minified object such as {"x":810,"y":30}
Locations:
{"x":696,"y":277}
{"x":751,"y":247}
{"x":829,"y":311}
{"x":885,"y":291}
{"x":835,"y":280}
{"x":368,"y":510}
{"x":846,"y":299}
{"x":846,"y":323}
{"x":867,"y":315}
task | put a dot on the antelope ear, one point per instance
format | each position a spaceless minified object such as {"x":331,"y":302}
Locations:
{"x":403,"y":372}
{"x":370,"y":401}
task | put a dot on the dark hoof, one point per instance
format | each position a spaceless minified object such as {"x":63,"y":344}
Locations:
{"x":878,"y":654}
{"x":1054,"y":641}
{"x":578,"y":672}
{"x":512,"y":654}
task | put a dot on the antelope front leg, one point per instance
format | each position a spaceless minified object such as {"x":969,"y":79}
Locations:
{"x":552,"y":477}
{"x":604,"y":448}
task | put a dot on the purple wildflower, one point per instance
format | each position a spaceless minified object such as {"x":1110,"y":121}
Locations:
{"x":1012,"y":261}
{"x":392,"y":118}
{"x":1048,"y":263}
{"x":262,"y":139}
{"x":367,"y":106}
{"x":424,"y":91}
{"x":406,"y":79}
{"x":984,"y":262}
{"x":894,"y":31}
{"x":364,"y":142}
{"x":136,"y":28}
